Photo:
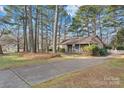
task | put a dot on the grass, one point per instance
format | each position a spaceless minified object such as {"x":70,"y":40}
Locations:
{"x":109,"y":74}
{"x":24,"y":59}
{"x":17,"y":60}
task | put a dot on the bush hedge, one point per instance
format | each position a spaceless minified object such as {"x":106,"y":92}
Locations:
{"x":90,"y":50}
{"x":62,"y":50}
{"x":94,"y":50}
{"x":108,"y":47}
{"x":120,"y":47}
{"x":103,"y":51}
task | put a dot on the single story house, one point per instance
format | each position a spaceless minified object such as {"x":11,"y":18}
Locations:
{"x":75,"y":45}
{"x":8,"y":43}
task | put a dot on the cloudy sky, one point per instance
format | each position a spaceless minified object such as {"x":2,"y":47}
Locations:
{"x":2,"y":12}
{"x":1,"y":8}
{"x":70,"y":9}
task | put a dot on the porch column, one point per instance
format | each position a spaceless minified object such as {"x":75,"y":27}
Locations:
{"x":79,"y":48}
{"x":66,"y":48}
{"x":73,"y":46}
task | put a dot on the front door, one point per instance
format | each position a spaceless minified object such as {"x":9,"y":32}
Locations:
{"x":70,"y":48}
{"x":77,"y":48}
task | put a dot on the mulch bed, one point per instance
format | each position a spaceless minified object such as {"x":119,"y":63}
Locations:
{"x":30,"y":56}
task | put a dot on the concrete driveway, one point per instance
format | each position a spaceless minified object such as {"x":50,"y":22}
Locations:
{"x":33,"y":74}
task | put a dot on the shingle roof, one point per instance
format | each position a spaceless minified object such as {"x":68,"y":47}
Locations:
{"x":7,"y":39}
{"x":82,"y":40}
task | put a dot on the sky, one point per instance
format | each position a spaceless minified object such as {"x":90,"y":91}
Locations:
{"x":71,"y":9}
{"x":2,"y":12}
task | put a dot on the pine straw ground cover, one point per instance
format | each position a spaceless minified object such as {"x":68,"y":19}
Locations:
{"x":109,"y":74}
{"x":31,"y":56}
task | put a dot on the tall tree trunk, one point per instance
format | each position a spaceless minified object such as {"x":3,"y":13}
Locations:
{"x":94,"y":25}
{"x":55,"y":29}
{"x":115,"y":43}
{"x":18,"y":45}
{"x":46,"y":39}
{"x":88,"y":31}
{"x":25,"y":31}
{"x":52,"y":32}
{"x":41,"y":25}
{"x":1,"y":51}
{"x":1,"y":34}
{"x":115,"y":30}
{"x":36,"y":28}
{"x":107,"y":37}
{"x":65,"y":30}
{"x":59,"y":36}
{"x":42,"y":43}
{"x":31,"y":37}
{"x":100,"y":29}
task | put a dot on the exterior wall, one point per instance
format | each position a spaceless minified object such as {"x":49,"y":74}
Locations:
{"x":62,"y":46}
{"x":78,"y":48}
{"x":65,"y":47}
{"x":73,"y":48}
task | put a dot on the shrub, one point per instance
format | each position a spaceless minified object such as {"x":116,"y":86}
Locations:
{"x":120,"y":48}
{"x":108,"y":47}
{"x":62,"y":50}
{"x":103,"y":51}
{"x":91,"y":50}
{"x":94,"y":50}
{"x":50,"y":49}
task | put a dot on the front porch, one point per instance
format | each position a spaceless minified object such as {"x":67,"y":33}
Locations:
{"x":75,"y":48}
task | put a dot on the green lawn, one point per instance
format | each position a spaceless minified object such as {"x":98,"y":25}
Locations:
{"x":15,"y":60}
{"x":109,"y":74}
